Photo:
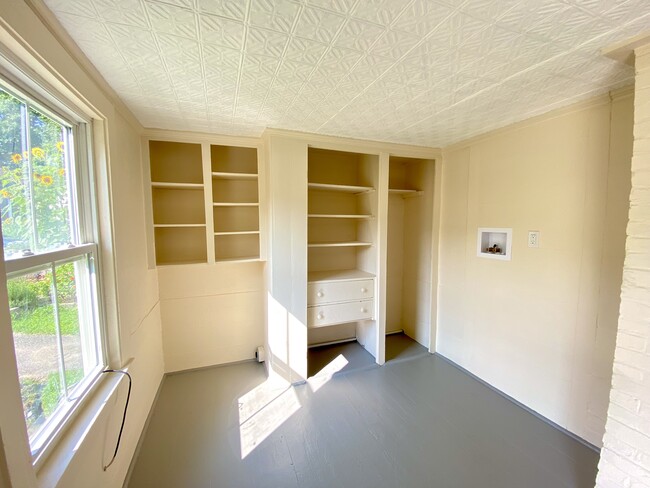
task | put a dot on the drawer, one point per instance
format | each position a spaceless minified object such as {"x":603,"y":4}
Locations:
{"x":339,"y":291}
{"x":339,"y":313}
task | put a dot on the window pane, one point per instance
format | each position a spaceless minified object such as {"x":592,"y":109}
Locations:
{"x":54,"y":335}
{"x":49,"y":183}
{"x":76,"y":319}
{"x":14,"y":199}
{"x":35,"y":185}
{"x":35,"y":339}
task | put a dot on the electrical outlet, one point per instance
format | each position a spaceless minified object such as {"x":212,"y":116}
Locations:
{"x":533,"y":238}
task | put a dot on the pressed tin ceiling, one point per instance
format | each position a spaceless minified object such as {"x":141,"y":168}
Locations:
{"x":410,"y":71}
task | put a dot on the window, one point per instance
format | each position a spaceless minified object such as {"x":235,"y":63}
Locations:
{"x":50,"y":252}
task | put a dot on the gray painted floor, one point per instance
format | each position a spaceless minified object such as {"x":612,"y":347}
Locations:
{"x":416,"y":422}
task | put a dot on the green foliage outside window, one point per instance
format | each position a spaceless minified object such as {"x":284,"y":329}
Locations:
{"x":34,"y":201}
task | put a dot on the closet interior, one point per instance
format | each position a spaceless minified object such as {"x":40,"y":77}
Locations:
{"x":409,"y":241}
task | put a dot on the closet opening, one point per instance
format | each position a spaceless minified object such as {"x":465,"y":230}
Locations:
{"x":409,"y":277}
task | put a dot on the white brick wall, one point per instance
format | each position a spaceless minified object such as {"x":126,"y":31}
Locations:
{"x":625,"y":457}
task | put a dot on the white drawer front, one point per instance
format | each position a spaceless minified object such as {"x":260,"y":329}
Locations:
{"x":339,"y":313}
{"x":339,"y":291}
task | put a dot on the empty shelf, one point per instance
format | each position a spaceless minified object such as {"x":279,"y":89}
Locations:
{"x":237,"y":233}
{"x":339,"y":244}
{"x":341,"y":188}
{"x":338,"y":216}
{"x":179,"y":186}
{"x":171,"y":226}
{"x":338,"y":275}
{"x":234,"y":176}
{"x":404,"y":192}
{"x":236,"y":204}
{"x":245,"y":259}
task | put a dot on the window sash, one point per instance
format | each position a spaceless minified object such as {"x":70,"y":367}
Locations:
{"x":19,"y":265}
{"x":72,"y":400}
{"x":85,"y":236}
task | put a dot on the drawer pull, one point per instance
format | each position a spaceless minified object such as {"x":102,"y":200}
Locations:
{"x":364,"y":290}
{"x":363,"y":310}
{"x":320,"y":316}
{"x":320,"y":294}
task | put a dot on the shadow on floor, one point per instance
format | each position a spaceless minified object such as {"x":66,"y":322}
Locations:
{"x":399,"y":347}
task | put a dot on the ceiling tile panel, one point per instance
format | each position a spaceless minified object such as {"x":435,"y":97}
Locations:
{"x":395,"y":44}
{"x":129,"y":12}
{"x":305,"y":51}
{"x":359,"y":35}
{"x":266,"y":42}
{"x":221,"y":32}
{"x":318,"y":24}
{"x":232,"y":9}
{"x":274,"y":14}
{"x":383,"y":12}
{"x":427,"y":72}
{"x":168,"y":19}
{"x":422,"y":17}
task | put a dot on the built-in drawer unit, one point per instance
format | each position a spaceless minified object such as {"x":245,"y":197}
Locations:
{"x":339,"y":291}
{"x":339,"y":313}
{"x":337,"y":297}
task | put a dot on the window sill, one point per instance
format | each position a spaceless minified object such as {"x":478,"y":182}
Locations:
{"x":95,"y":410}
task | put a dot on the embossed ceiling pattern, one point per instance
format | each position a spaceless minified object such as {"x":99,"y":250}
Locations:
{"x":412,"y":71}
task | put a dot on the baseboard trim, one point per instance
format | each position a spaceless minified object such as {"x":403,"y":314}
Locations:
{"x":519,"y":404}
{"x":210,"y":366}
{"x":332,"y":343}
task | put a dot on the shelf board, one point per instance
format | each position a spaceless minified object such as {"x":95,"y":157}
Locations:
{"x":233,"y":176}
{"x":177,"y":263}
{"x":173,"y":226}
{"x":246,"y":259}
{"x":338,"y":275}
{"x":237,"y":233}
{"x":339,"y":244}
{"x":177,"y":186}
{"x":340,"y":188}
{"x":236,"y":204}
{"x":338,"y":216}
{"x":404,"y":192}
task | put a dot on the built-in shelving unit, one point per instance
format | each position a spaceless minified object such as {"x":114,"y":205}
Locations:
{"x":177,"y":193}
{"x":341,"y":244}
{"x":235,"y":202}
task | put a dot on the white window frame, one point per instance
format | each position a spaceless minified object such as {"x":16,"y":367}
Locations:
{"x":83,"y":194}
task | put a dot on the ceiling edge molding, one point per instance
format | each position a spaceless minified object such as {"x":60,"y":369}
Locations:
{"x":558,"y":112}
{"x":61,"y":35}
{"x":200,"y":137}
{"x":324,"y":141}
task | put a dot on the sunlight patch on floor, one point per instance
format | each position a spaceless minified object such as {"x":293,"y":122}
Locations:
{"x":326,"y":374}
{"x":262,"y":410}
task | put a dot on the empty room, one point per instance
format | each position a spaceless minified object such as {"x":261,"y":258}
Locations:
{"x":325,"y":243}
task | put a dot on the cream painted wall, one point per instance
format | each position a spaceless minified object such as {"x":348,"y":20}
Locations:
{"x":211,"y":314}
{"x":541,"y":327}
{"x":132,"y":289}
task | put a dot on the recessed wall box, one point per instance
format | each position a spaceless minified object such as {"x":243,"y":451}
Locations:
{"x":494,"y":243}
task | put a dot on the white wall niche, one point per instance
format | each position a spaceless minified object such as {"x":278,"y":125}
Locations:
{"x":492,"y":236}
